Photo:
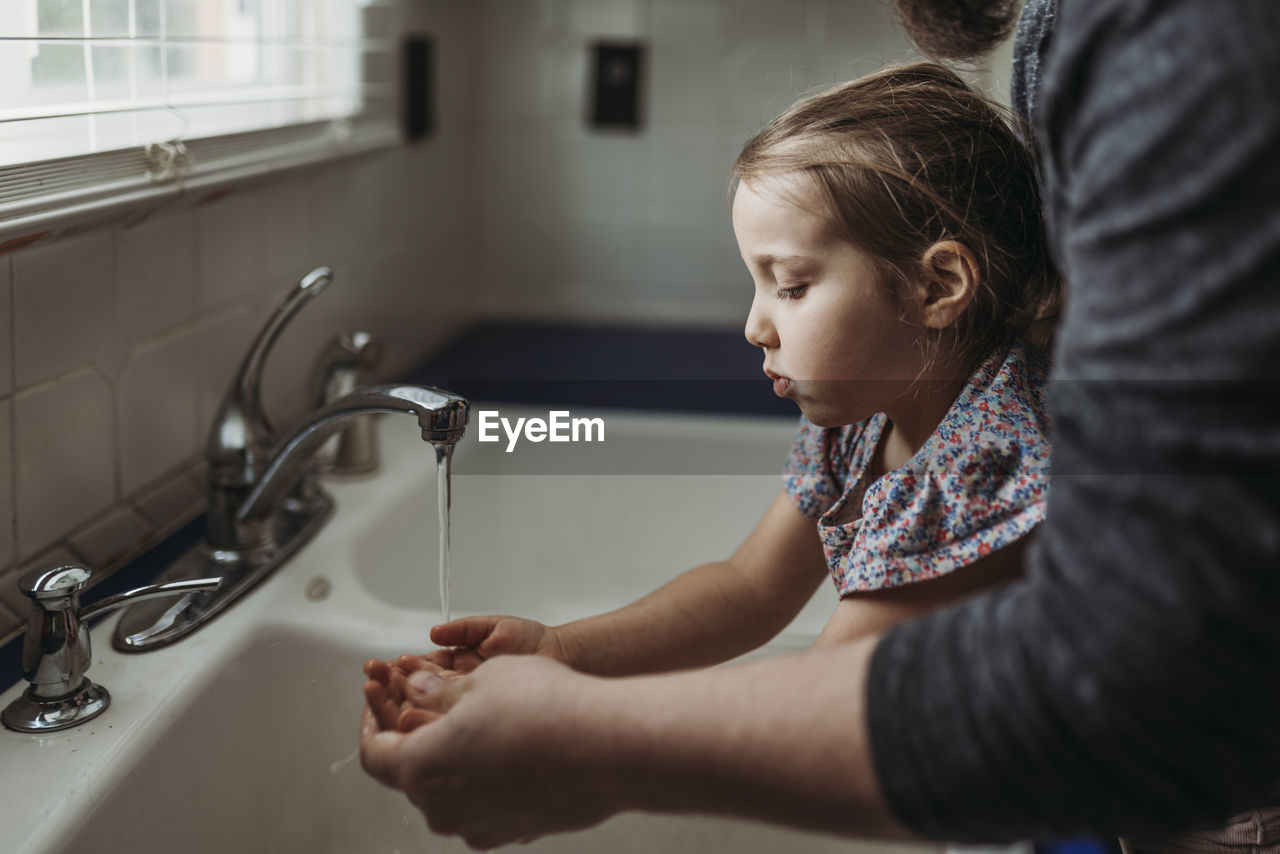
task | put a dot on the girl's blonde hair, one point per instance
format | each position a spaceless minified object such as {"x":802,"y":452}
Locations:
{"x":909,"y":156}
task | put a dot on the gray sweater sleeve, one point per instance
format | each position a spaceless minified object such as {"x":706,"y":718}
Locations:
{"x":1132,"y":681}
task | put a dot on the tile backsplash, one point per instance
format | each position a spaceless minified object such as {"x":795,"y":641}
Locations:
{"x":119,"y":343}
{"x":116,"y":344}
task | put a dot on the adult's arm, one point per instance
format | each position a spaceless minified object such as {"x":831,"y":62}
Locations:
{"x":1133,"y":680}
{"x":523,"y":746}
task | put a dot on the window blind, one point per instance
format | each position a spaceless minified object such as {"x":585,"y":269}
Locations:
{"x":103,"y":102}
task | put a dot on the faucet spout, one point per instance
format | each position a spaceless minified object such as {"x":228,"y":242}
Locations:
{"x":442,"y":417}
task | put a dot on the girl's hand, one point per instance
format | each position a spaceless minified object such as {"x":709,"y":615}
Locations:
{"x":388,"y":696}
{"x":472,"y":640}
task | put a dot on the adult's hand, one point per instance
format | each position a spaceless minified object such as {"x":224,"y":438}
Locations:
{"x":523,"y":746}
{"x":500,"y":759}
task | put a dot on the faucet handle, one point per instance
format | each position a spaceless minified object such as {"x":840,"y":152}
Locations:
{"x":354,"y":449}
{"x":336,"y":373}
{"x":56,"y":650}
{"x":241,"y":435}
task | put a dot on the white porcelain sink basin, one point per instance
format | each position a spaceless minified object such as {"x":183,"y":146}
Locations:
{"x":243,"y":736}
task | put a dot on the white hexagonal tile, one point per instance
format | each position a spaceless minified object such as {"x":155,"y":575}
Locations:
{"x":106,"y":541}
{"x":156,"y":274}
{"x":47,"y":280}
{"x":286,"y":252}
{"x":156,"y":408}
{"x":226,"y":251}
{"x":6,"y":325}
{"x":7,"y":551}
{"x":65,"y":458}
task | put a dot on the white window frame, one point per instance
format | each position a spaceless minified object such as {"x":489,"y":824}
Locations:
{"x":38,"y":199}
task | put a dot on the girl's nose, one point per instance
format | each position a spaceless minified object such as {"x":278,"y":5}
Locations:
{"x":759,"y":330}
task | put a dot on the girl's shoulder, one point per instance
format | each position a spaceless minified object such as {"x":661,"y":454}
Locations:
{"x":978,"y":484}
{"x":1002,"y":416}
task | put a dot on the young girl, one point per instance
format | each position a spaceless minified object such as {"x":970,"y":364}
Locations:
{"x":892,"y":228}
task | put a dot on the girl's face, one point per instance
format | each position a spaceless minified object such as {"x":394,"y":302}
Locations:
{"x":834,"y":340}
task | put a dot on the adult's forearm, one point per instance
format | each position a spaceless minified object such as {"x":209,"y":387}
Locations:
{"x":780,"y":740}
{"x":523,"y":747}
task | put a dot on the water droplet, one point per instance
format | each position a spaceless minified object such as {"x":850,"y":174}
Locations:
{"x":318,"y":589}
{"x":343,"y":763}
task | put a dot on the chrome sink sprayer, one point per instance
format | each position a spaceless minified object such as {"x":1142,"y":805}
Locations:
{"x":264,"y":499}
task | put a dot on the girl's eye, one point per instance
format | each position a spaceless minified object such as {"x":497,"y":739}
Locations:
{"x":792,"y":293}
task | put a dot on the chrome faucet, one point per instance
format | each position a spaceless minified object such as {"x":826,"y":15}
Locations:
{"x":264,"y":504}
{"x":441,"y":416}
{"x":241,"y":436}
{"x":56,"y":651}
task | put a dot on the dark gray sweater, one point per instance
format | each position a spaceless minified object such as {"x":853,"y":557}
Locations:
{"x":1133,"y":680}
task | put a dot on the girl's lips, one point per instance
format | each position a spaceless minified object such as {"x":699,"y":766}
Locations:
{"x":781,"y":384}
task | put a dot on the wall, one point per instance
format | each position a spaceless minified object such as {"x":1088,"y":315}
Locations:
{"x":586,"y":225}
{"x":117,"y":344}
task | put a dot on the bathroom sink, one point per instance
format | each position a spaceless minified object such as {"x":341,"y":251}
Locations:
{"x":242,"y":737}
{"x":263,"y":759}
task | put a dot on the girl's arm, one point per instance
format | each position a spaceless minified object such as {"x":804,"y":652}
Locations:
{"x":712,"y":612}
{"x":870,"y":612}
{"x":707,"y":615}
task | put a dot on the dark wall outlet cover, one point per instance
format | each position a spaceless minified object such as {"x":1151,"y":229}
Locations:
{"x":419,"y":87}
{"x":617,"y":72}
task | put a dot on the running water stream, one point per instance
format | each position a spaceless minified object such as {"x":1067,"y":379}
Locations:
{"x":444,"y":499}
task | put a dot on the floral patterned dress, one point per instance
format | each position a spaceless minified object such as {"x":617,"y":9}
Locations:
{"x":978,"y":483}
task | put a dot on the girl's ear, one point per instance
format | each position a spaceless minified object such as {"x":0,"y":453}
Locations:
{"x":950,"y":280}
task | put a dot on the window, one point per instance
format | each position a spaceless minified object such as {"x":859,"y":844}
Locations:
{"x":104,"y":97}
